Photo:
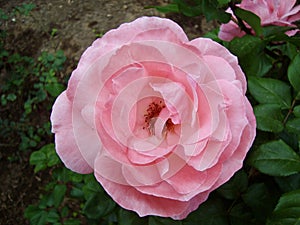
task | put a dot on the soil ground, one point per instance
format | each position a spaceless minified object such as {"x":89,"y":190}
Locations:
{"x":76,"y":24}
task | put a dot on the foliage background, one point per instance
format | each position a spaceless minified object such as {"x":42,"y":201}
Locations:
{"x":265,"y":191}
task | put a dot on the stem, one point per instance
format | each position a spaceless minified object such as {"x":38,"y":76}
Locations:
{"x":289,"y":112}
{"x":271,"y":53}
{"x":240,"y":22}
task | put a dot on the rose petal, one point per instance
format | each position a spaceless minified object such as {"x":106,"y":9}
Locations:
{"x":207,"y":47}
{"x":143,"y":28}
{"x":107,"y":167}
{"x":229,"y":31}
{"x":65,"y":142}
{"x":131,"y":199}
{"x":236,"y":114}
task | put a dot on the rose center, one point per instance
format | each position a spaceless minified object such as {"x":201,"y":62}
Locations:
{"x":151,"y":115}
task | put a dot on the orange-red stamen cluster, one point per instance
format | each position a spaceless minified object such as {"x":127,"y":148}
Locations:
{"x":170,"y":125}
{"x":153,"y":111}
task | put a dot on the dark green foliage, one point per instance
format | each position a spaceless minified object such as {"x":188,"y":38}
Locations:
{"x":276,"y":158}
{"x":43,"y":158}
{"x":211,"y":212}
{"x":287,"y":211}
{"x":30,"y":86}
{"x":211,"y":9}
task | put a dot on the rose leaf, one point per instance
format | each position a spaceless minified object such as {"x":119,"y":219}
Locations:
{"x":270,"y":91}
{"x":275,"y":158}
{"x":293,"y":73}
{"x":287,"y":210}
{"x":293,"y":125}
{"x":269,"y":117}
{"x":98,"y":205}
{"x":235,"y":186}
{"x":250,"y":18}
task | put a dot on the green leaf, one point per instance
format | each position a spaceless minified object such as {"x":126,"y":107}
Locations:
{"x":261,"y":201}
{"x":54,"y":89}
{"x":250,"y":18}
{"x":213,"y":35}
{"x":235,"y":186}
{"x":223,"y":2}
{"x":289,"y":183}
{"x":166,"y":8}
{"x":59,"y":194}
{"x":25,"y":9}
{"x":295,"y":40}
{"x":257,"y":63}
{"x":211,"y":11}
{"x":287,"y":211}
{"x":239,"y":214}
{"x":163,"y":221}
{"x":77,"y":192}
{"x":76,"y":177}
{"x":211,"y":212}
{"x":291,"y":139}
{"x":45,"y":201}
{"x":44,"y":157}
{"x":296,"y":111}
{"x":64,"y":211}
{"x":3,"y":15}
{"x":126,"y":217}
{"x":91,"y":186}
{"x":294,"y":73}
{"x":53,"y":216}
{"x":72,"y":222}
{"x":52,"y":158}
{"x":39,"y":159}
{"x":269,"y":117}
{"x":293,"y":125}
{"x":275,"y":158}
{"x":62,"y":174}
{"x":98,"y":205}
{"x":275,"y":33}
{"x":244,"y":45}
{"x":291,"y":50}
{"x":189,"y":9}
{"x":250,"y":51}
{"x":270,"y":91}
{"x":36,"y":215}
{"x":11,"y":97}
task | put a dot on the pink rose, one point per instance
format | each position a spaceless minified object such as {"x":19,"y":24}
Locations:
{"x":271,"y":12}
{"x":160,"y":120}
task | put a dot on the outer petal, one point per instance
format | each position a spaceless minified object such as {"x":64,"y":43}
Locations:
{"x":129,"y":198}
{"x":207,"y":47}
{"x":193,"y":205}
{"x":285,"y":7}
{"x":66,"y":147}
{"x":263,"y":8}
{"x":293,"y":15}
{"x":235,"y":162}
{"x":229,"y":31}
{"x":236,"y":116}
{"x":142,"y":29}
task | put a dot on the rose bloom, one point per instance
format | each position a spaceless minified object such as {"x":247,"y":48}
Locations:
{"x":271,"y":12}
{"x":161,"y":121}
